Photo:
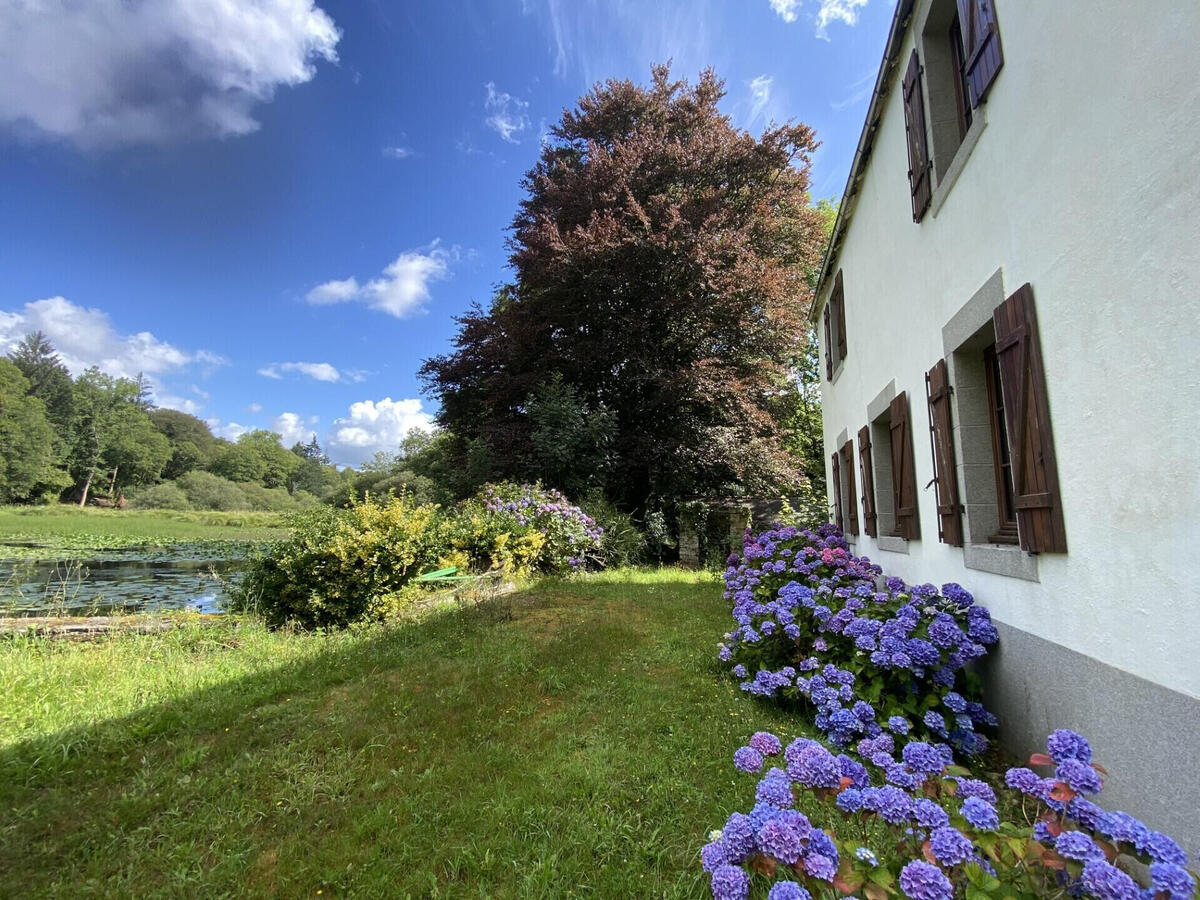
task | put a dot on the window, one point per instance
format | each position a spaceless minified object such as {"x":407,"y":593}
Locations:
{"x":835,"y":327}
{"x":849,"y":524}
{"x":1006,"y":530}
{"x":949,"y":74}
{"x":893,"y":473}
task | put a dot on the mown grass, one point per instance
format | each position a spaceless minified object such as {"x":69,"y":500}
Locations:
{"x":578,"y":747}
{"x":68,"y":527}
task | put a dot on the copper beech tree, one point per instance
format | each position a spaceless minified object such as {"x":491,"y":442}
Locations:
{"x":662,"y":260}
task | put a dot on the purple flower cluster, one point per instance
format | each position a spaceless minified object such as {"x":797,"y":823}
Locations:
{"x":810,"y":623}
{"x":572,"y":536}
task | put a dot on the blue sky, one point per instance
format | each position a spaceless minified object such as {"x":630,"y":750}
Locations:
{"x":276,"y":209}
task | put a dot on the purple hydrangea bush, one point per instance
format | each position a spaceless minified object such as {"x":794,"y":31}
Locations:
{"x":554,"y":535}
{"x":827,"y":825}
{"x":881,"y":664}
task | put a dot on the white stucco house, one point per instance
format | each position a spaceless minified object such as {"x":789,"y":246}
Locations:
{"x":1009,"y":321}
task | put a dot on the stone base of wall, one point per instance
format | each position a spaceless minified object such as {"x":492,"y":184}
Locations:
{"x":1146,"y":736}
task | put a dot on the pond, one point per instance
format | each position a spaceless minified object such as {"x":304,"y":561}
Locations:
{"x":36,"y":580}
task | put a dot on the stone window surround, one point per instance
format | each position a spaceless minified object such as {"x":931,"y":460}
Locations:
{"x":941,"y":106}
{"x":964,"y":337}
{"x":878,"y":420}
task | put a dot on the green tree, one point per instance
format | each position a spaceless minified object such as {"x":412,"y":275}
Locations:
{"x":258,"y":456}
{"x":28,"y":462}
{"x":49,"y":381}
{"x":114,"y":443}
{"x":663,"y":262}
{"x":569,"y":441}
{"x":192,"y":443}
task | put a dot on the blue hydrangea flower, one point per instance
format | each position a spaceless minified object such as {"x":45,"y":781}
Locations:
{"x":1120,"y":826}
{"x":788,"y":890}
{"x":898,"y":724}
{"x":950,"y":846}
{"x":981,"y":814}
{"x":1160,"y":848}
{"x":737,"y":837}
{"x":816,"y":767}
{"x":892,"y":804}
{"x":778,"y":838}
{"x":748,"y":759}
{"x":1085,"y":812}
{"x":766,"y":743}
{"x":923,"y":881}
{"x":712,"y":856}
{"x":867,"y":856}
{"x":819,"y":866}
{"x":730,"y":883}
{"x":1174,"y":879}
{"x":928,"y":814}
{"x":776,"y":789}
{"x":923,"y":758}
{"x":1043,"y":834}
{"x":854,"y":770}
{"x":1079,"y":776}
{"x":973,"y":787}
{"x":1024,"y":780}
{"x":739,"y":671}
{"x":850,"y":800}
{"x":935,"y":723}
{"x":1066,"y":744}
{"x":1077,"y":845}
{"x":1106,"y":882}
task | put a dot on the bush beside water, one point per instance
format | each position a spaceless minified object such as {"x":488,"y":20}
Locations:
{"x":891,"y":814}
{"x":342,"y":566}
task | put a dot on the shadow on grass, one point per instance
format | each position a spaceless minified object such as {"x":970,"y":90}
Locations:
{"x":572,"y":749}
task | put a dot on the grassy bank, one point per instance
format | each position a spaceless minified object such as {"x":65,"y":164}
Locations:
{"x":575,"y":748}
{"x":66,"y":527}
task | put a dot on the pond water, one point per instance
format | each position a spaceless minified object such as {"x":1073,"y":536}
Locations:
{"x":132,"y":579}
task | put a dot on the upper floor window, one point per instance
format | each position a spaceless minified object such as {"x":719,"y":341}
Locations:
{"x":835,"y":327}
{"x":946,"y":80}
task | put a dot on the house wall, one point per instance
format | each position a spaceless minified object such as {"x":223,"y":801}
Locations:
{"x":1083,"y":180}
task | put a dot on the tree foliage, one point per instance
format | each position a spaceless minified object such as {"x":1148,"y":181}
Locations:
{"x":662,"y":261}
{"x":28,"y":462}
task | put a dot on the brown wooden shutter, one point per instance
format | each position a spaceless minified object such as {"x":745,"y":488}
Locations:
{"x":851,"y":496}
{"x":941,"y":434}
{"x":828,"y":346}
{"x":868,"y":480}
{"x":904,"y":474}
{"x":1031,"y":443}
{"x":918,"y":148}
{"x":840,"y":299}
{"x":837,"y":493}
{"x":981,"y":46}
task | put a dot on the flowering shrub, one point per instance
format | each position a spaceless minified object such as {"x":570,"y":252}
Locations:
{"x":342,"y":566}
{"x":825,"y":823}
{"x":522,"y":528}
{"x":880,"y":666}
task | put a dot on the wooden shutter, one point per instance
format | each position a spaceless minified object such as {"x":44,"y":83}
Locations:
{"x":904,"y":475}
{"x":941,"y":435}
{"x":839,"y":297}
{"x":868,"y":480}
{"x":851,"y":497}
{"x":837,"y":493}
{"x":828,"y":346}
{"x":1031,"y":444}
{"x":981,"y":46}
{"x":918,"y":148}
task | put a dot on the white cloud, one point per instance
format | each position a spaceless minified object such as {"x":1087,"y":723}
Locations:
{"x":294,"y":428}
{"x":506,"y":113}
{"x":788,"y":10}
{"x":254,"y":408}
{"x":856,"y":92}
{"x":403,"y":287}
{"x":108,"y":72}
{"x":372,"y":426}
{"x":231,"y":431}
{"x":320,"y":371}
{"x":85,"y":337}
{"x":398,"y":152}
{"x":171,"y":401}
{"x":845,"y":11}
{"x":760,"y":95}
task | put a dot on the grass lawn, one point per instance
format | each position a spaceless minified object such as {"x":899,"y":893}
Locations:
{"x":579,"y":748}
{"x":68,"y":527}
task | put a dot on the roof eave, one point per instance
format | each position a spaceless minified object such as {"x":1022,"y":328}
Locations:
{"x":866,"y":142}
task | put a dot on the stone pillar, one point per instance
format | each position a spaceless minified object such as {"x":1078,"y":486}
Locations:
{"x":689,"y":545}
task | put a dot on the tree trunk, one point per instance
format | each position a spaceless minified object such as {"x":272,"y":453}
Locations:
{"x":86,"y":486}
{"x":112,"y":485}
